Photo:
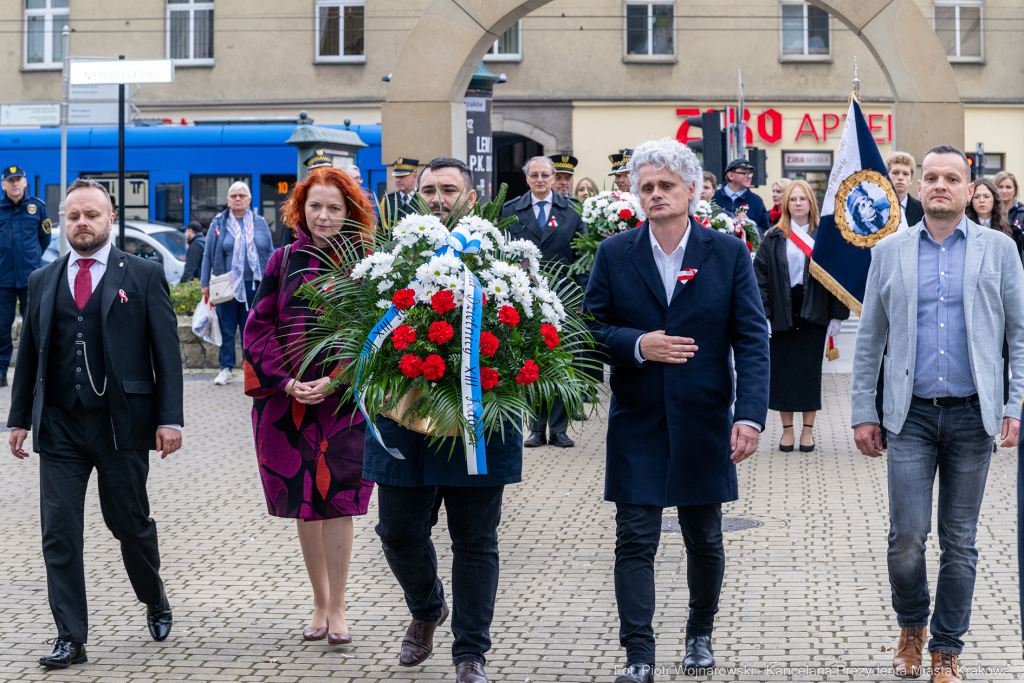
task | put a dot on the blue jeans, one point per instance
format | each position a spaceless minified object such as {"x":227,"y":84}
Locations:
{"x":953,"y":442}
{"x":407,"y":514}
{"x":637,"y":535}
{"x":232,"y":316}
{"x":9,"y":296}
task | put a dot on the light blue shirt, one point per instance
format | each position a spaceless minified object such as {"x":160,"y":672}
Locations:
{"x":943,"y":364}
{"x":732,"y":195}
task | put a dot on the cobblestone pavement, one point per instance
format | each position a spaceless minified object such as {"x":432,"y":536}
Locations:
{"x":806,"y":596}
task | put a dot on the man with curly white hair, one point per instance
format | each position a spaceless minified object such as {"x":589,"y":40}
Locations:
{"x":673,"y":302}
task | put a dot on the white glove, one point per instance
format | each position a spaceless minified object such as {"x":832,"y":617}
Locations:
{"x":834,"y":326}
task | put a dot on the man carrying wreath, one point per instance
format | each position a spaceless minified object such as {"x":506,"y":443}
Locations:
{"x":670,"y":300}
{"x":410,"y":492}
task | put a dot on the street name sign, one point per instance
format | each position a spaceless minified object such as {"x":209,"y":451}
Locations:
{"x":123,"y":71}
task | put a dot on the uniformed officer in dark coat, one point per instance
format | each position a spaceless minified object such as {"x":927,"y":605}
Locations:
{"x":24,"y":236}
{"x":620,"y":169}
{"x":400,"y":203}
{"x":548,"y":220}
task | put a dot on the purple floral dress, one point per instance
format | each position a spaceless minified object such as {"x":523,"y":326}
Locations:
{"x":310,"y":456}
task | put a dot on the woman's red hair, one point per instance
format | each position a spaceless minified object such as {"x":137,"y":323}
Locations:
{"x":360,"y":208}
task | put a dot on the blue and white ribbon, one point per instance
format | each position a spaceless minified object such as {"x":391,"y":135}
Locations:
{"x":460,"y":241}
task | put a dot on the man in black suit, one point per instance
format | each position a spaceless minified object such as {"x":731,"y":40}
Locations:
{"x":98,"y":380}
{"x":901,"y":167}
{"x":400,"y":203}
{"x":547,"y":220}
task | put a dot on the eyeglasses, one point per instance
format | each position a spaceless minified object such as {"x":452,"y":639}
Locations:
{"x":539,"y":176}
{"x":748,"y":172}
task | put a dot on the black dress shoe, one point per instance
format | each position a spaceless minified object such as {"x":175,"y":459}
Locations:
{"x":159,"y":618}
{"x":534,"y":440}
{"x":65,"y":653}
{"x":699,"y":658}
{"x":561,"y":440}
{"x":3,"y":379}
{"x":637,"y":673}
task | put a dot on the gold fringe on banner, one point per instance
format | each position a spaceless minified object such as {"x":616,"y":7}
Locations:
{"x":837,"y":289}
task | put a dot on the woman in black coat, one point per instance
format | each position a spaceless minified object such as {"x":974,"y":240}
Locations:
{"x":801,"y":313}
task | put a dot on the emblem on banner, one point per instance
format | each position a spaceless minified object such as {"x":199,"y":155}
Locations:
{"x":686,"y":274}
{"x":867,"y":208}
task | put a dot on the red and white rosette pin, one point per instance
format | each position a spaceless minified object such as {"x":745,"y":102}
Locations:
{"x":686,"y":274}
{"x":124,"y":297}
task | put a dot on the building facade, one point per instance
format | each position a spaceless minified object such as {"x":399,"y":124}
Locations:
{"x":590,"y":77}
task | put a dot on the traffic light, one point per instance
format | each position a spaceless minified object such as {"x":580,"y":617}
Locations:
{"x":713,"y":143}
{"x":759,"y":159}
{"x":973,"y":163}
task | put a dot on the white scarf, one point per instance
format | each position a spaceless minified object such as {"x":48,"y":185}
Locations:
{"x":244,"y":250}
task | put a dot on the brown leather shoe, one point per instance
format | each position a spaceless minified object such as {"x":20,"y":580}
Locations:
{"x":314,"y":633}
{"x":418,"y":642}
{"x":945,"y":668}
{"x":470,"y":671}
{"x":339,"y":639}
{"x":907,"y":662}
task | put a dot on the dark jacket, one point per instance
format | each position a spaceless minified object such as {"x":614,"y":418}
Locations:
{"x":140,"y":350}
{"x":669,"y":426}
{"x":395,"y":209}
{"x":915,"y":212}
{"x":755,"y":204}
{"x":24,"y":236}
{"x":555,"y":242}
{"x":772,"y":270}
{"x":216,"y":255}
{"x":194,"y":258}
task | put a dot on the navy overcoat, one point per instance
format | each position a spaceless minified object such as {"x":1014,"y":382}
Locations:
{"x":669,"y":426}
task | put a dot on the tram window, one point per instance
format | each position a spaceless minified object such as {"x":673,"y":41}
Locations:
{"x":274,"y":190}
{"x":209,"y":195}
{"x":170,"y":203}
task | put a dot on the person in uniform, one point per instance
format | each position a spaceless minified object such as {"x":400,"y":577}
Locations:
{"x":735,"y":192}
{"x":546,"y":219}
{"x":24,"y":236}
{"x":565,"y":168}
{"x":400,"y":203}
{"x":620,"y":169}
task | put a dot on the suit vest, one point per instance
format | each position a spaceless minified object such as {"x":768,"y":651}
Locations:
{"x":67,"y":373}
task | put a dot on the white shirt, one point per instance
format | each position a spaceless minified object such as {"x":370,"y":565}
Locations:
{"x":985,"y":222}
{"x":669,"y":266}
{"x":96,"y":270}
{"x":547,"y":207}
{"x":796,"y":258}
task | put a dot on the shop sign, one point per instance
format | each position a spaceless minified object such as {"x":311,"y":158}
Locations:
{"x":768,"y":126}
{"x":800,"y":160}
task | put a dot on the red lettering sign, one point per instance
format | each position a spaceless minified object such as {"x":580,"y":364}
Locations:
{"x":769,"y":115}
{"x":683,"y":134}
{"x":825,"y":124}
{"x":807,"y":128}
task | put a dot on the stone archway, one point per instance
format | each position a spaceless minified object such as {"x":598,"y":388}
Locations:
{"x":424,"y":117}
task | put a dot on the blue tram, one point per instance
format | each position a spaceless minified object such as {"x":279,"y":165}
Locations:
{"x":176,"y":174}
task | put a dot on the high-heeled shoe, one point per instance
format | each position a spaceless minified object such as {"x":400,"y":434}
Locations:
{"x":786,"y":449}
{"x":339,"y":638}
{"x":808,"y":449}
{"x":314,"y":633}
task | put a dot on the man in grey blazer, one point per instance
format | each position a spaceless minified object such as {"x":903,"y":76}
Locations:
{"x":944,"y":293}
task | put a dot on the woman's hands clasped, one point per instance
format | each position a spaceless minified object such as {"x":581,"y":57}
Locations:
{"x":309,"y":393}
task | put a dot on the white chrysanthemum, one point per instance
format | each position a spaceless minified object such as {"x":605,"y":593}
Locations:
{"x":415,"y":228}
{"x":423,"y":291}
{"x":498,"y":290}
{"x":385,"y":285}
{"x":383,"y":264}
{"x":548,"y":315}
{"x":484,"y":231}
{"x":383,"y":304}
{"x":361,"y":269}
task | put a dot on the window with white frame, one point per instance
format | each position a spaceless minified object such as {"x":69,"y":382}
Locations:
{"x":340,"y":31}
{"x":44,"y":24}
{"x":190,"y":32}
{"x":508,"y":46}
{"x":805,"y":31}
{"x":957,"y":23}
{"x":650,"y":30}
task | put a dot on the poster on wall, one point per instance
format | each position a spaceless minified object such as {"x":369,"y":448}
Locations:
{"x":480,"y":146}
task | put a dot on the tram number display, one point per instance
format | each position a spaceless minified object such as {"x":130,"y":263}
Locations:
{"x":282,"y":187}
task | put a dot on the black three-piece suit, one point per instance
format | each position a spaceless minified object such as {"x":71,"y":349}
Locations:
{"x":93,"y":385}
{"x":554,"y":240}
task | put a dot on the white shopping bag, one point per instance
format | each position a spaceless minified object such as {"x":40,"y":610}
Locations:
{"x":205,"y":324}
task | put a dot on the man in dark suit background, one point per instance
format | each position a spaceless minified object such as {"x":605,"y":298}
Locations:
{"x":399,"y":204}
{"x":98,"y":381}
{"x":548,"y":220}
{"x":670,"y":300}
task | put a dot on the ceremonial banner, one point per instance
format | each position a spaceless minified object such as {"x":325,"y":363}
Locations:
{"x":860,"y":208}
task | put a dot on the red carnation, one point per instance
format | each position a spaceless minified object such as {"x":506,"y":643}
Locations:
{"x":488,"y":378}
{"x":528,"y":374}
{"x":443,"y":301}
{"x":403,"y":299}
{"x":433,"y":366}
{"x":550,"y":333}
{"x":403,"y":336}
{"x":411,"y":366}
{"x":750,"y":246}
{"x":485,"y":295}
{"x":488,"y":344}
{"x":509,"y":316}
{"x":625,"y":214}
{"x":440,"y":332}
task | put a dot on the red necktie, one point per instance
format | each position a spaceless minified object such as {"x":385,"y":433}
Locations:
{"x":83,"y":282}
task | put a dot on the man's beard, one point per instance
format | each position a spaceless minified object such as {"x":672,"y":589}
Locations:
{"x":88,"y":244}
{"x":941,"y":213}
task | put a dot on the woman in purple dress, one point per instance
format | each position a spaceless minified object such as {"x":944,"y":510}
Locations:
{"x":309,"y":445}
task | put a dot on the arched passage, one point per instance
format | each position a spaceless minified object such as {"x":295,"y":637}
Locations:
{"x":424,"y":117}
